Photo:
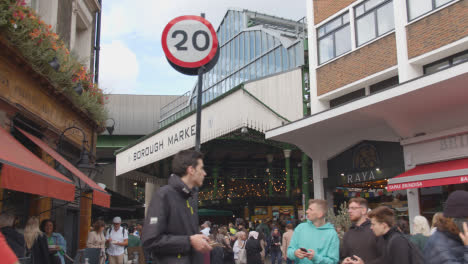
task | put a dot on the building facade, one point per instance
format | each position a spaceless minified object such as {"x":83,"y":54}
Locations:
{"x":49,"y":134}
{"x":384,"y":71}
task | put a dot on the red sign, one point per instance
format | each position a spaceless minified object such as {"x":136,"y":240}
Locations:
{"x":427,"y":183}
{"x":189,"y":41}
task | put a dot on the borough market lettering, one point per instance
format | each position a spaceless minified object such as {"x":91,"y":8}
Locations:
{"x":156,"y":146}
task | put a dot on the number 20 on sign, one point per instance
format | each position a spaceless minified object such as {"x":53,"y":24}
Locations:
{"x":190,"y":42}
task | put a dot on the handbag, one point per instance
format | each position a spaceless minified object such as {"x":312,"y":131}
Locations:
{"x":242,"y":255}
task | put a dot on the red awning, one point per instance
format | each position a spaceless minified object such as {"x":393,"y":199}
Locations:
{"x":25,"y":172}
{"x":100,"y":196}
{"x":430,"y":175}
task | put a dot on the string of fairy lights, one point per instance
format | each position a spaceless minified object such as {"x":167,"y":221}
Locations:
{"x":238,"y":188}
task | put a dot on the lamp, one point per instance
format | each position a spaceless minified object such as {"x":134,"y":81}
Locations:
{"x":78,"y":89}
{"x":84,"y":163}
{"x":110,"y":129}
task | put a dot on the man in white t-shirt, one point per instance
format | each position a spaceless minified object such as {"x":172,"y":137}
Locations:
{"x":206,"y":228}
{"x":117,"y":239}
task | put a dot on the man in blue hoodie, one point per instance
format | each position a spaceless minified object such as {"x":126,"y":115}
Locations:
{"x":315,"y":241}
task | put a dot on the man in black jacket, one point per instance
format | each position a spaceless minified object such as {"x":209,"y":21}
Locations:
{"x":14,"y":239}
{"x":171,"y":230}
{"x":360,"y":240}
{"x":398,"y":249}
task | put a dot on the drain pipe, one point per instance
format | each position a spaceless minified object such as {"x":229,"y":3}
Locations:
{"x":97,"y":46}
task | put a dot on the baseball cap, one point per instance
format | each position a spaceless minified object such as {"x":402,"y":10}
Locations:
{"x":117,"y":220}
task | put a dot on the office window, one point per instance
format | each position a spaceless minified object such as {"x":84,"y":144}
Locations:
{"x":347,"y":98}
{"x":446,"y":62}
{"x":417,"y":8}
{"x":373,"y":19}
{"x":382,"y":85}
{"x":334,"y":38}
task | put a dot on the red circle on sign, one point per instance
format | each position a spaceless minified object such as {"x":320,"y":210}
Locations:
{"x":185,"y":64}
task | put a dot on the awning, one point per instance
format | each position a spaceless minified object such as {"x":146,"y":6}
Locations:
{"x":24,"y":172}
{"x":433,"y":174}
{"x":100,"y":197}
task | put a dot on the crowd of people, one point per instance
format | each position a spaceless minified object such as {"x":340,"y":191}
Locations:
{"x":39,"y":243}
{"x":374,"y":237}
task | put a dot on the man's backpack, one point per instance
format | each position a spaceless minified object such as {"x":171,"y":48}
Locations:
{"x":416,"y":254}
{"x":109,"y":229}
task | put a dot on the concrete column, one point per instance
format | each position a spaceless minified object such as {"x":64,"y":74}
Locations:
{"x":319,"y":171}
{"x":270,"y":170}
{"x":287,"y":156}
{"x":406,"y":71}
{"x":316,"y":105}
{"x":150,"y":189}
{"x":73,"y":26}
{"x":413,"y":205}
{"x":412,"y":194}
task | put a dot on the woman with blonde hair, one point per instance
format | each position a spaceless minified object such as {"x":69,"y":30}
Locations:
{"x":240,"y":255}
{"x":97,"y":239}
{"x":36,"y":242}
{"x":421,"y":232}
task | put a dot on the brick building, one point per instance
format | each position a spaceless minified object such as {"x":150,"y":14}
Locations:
{"x":394,"y":72}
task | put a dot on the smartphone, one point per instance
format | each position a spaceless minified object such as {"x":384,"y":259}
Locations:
{"x":303,"y":250}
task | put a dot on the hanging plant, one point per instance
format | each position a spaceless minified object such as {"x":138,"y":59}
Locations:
{"x":48,"y":55}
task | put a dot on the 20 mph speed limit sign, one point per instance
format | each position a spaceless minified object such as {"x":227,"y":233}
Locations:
{"x":189,"y":43}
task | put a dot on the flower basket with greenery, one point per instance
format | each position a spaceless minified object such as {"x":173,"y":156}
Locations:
{"x":39,"y":45}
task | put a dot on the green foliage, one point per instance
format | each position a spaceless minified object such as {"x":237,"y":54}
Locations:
{"x":341,"y":219}
{"x":39,"y":45}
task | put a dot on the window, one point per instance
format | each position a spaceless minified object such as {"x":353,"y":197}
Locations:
{"x":417,"y":8}
{"x":348,"y":97}
{"x":246,"y":47}
{"x":252,"y":45}
{"x":278,"y":59}
{"x":241,"y":50}
{"x":258,"y":43}
{"x":446,"y":62}
{"x":382,"y":85}
{"x":265,"y":65}
{"x":271,"y":62}
{"x":373,"y":19}
{"x":284,"y":56}
{"x":334,"y":38}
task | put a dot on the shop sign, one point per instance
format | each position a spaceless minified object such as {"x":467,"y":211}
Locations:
{"x":361,"y":177}
{"x":18,"y":88}
{"x":454,"y":142}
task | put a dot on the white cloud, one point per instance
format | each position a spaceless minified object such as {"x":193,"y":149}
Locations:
{"x":119,"y":68}
{"x":139,"y":24}
{"x":148,"y":18}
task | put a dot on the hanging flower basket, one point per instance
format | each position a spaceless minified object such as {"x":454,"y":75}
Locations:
{"x":22,"y":29}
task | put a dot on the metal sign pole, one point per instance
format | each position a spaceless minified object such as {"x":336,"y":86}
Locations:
{"x":199,"y":108}
{"x":199,"y":104}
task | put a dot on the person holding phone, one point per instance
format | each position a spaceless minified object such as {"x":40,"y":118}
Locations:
{"x":315,"y":241}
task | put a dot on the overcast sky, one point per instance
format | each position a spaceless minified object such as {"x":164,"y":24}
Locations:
{"x":132,"y":60}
